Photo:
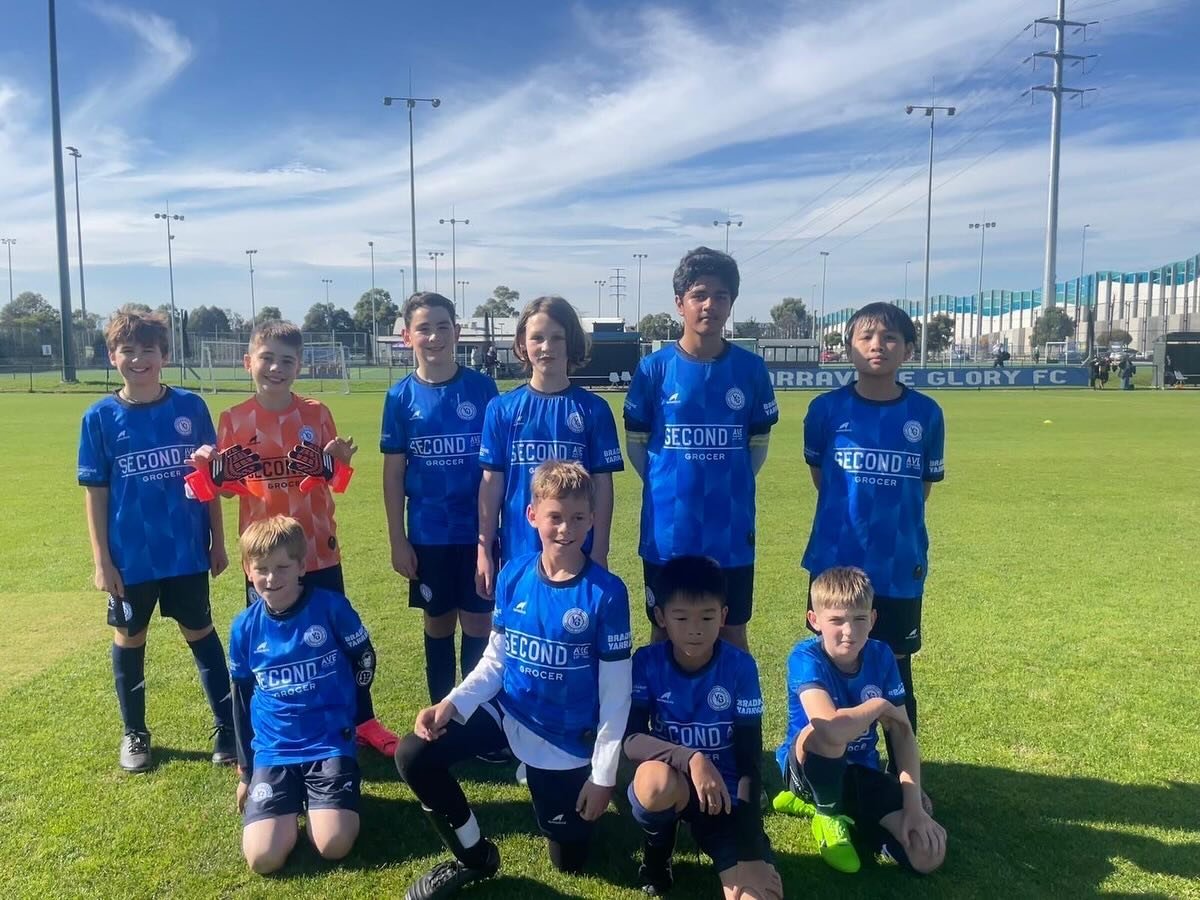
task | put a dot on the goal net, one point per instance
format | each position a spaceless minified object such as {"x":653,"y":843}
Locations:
{"x":322,"y":362}
{"x":1054,"y":352}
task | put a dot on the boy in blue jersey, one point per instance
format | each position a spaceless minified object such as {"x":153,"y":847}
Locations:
{"x":875,"y":449}
{"x":298,"y":656}
{"x":695,"y":731}
{"x":151,"y":544}
{"x":548,"y":418}
{"x":697,"y":420}
{"x":432,"y":421}
{"x":553,"y":686}
{"x":840,"y":685}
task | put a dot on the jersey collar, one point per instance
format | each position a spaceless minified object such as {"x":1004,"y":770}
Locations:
{"x":458,"y":373}
{"x":695,"y":673}
{"x":157,"y":401}
{"x":570,"y":582}
{"x":696,"y":359}
{"x":904,"y":391}
{"x":294,"y":609}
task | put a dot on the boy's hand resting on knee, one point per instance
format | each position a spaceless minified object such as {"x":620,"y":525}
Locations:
{"x":752,"y":880}
{"x":710,"y":786}
{"x":922,"y":834}
{"x":593,"y":801}
{"x":432,"y":720}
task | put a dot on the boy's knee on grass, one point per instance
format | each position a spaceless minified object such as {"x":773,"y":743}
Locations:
{"x":266,"y":844}
{"x":333,"y":832}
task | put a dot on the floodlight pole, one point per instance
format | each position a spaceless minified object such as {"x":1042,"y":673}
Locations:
{"x":600,"y":283}
{"x":931,"y":112}
{"x":374,"y":319}
{"x":8,"y":242}
{"x":453,"y":222}
{"x":639,"y":257}
{"x":253,"y":311}
{"x":983,"y":229}
{"x":411,"y":102}
{"x":60,"y":211}
{"x":433,"y":255}
{"x":167,"y":218}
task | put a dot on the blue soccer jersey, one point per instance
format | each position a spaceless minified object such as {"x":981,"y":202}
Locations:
{"x":437,"y":427}
{"x":139,"y":451}
{"x":555,"y":636}
{"x":522,"y":429}
{"x":877,"y":676}
{"x":303,"y":705}
{"x":699,"y":415}
{"x":874,"y":457}
{"x":699,"y":710}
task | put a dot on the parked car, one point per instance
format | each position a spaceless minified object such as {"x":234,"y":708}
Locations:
{"x":831,"y":356}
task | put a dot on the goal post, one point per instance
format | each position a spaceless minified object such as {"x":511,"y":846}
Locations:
{"x":1054,"y":351}
{"x":221,"y":366}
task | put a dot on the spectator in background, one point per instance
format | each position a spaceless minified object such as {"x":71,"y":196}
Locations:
{"x":492,"y":360}
{"x":1105,"y":368}
{"x":1094,"y":372}
{"x":1126,"y":370}
{"x":475,"y":358}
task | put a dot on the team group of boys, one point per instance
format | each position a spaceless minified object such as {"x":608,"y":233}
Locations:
{"x":499,"y":512}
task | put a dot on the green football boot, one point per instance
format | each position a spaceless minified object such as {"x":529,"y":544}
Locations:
{"x":833,"y":839}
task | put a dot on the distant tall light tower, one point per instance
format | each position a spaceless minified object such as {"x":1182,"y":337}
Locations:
{"x":824,"y":262}
{"x":411,"y":103}
{"x":453,"y":223}
{"x":600,"y":283}
{"x":253,"y":312}
{"x":374,"y":319}
{"x":168,"y":218}
{"x":983,"y":229}
{"x":79,"y":233}
{"x":327,"y":282}
{"x":639,"y":257}
{"x":8,"y":243}
{"x":434,"y":255}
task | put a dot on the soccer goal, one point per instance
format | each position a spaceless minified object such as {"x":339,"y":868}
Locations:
{"x":1054,"y":352}
{"x":221,"y":364}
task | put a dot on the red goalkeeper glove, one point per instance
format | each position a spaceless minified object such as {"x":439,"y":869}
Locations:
{"x":316,"y":466}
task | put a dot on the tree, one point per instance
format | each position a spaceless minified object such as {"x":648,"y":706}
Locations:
{"x":386,"y":312}
{"x":134,"y":306}
{"x":833,"y":339}
{"x":327,"y":317}
{"x":941,"y":333}
{"x":750,"y":328}
{"x":1052,"y":325}
{"x":237,"y":322}
{"x":792,"y":318}
{"x":268,"y":314}
{"x":208,"y":320}
{"x":29,"y":309}
{"x":660,"y":327}
{"x":1116,"y":336}
{"x":502,"y":304}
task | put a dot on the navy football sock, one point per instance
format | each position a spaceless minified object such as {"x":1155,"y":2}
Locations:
{"x":471,"y":652}
{"x":214,"y":677}
{"x":129,"y":677}
{"x":824,"y":775}
{"x":439,"y":666}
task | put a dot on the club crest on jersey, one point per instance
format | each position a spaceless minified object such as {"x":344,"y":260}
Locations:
{"x":871,"y":692}
{"x":467,"y":411}
{"x":575,"y":620}
{"x":913,"y":431}
{"x":307,"y":434}
{"x":262,"y":792}
{"x":183,"y":425}
{"x":315,"y":636}
{"x":735,"y":399}
{"x":719,"y":699}
{"x":426,"y":593}
{"x":575,"y":422}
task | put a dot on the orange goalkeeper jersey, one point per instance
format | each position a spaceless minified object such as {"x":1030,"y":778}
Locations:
{"x":271,"y":435}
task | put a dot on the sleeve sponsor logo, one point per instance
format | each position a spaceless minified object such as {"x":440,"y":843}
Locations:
{"x":937,"y":466}
{"x":621,"y":641}
{"x":613,"y":455}
{"x":771,"y":408}
{"x":357,"y":638}
{"x":88,"y":473}
{"x":750,"y":707}
{"x":897,"y":691}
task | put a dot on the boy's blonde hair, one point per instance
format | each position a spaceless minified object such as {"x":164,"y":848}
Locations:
{"x":264,"y":537}
{"x":557,"y":479}
{"x":842,"y":587}
{"x":277,"y":330}
{"x":131,"y":326}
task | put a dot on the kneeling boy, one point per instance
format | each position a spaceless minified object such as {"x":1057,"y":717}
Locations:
{"x":695,"y":729}
{"x":840,"y":684}
{"x":297,"y":656}
{"x":557,"y":665}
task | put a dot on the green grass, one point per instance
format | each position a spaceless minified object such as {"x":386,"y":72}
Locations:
{"x":1059,"y":711}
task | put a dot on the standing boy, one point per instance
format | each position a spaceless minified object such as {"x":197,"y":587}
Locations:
{"x":151,"y":544}
{"x":272,"y":423}
{"x":298,"y":654}
{"x":840,"y":685}
{"x":432,"y":422}
{"x":695,"y":731}
{"x":875,"y":450}
{"x":553,"y":686}
{"x":697,"y":420}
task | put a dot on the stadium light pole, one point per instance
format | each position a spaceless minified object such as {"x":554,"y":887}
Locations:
{"x":60,"y":209}
{"x":639,"y":257}
{"x":168,"y":218}
{"x":931,"y":112}
{"x":463,"y":285}
{"x":403,"y":284}
{"x":79,"y":232}
{"x":600,"y":283}
{"x":454,"y":223}
{"x":411,"y":103}
{"x":728,"y":223}
{"x":824,"y":261}
{"x":327,"y":282}
{"x":433,"y":255}
{"x":983,"y":230}
{"x":907,"y":263}
{"x":8,"y":243}
{"x":253,"y":311}
{"x":374,"y":319}
{"x":1082,"y":258}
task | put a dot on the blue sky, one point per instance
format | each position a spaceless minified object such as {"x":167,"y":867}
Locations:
{"x":575,"y":135}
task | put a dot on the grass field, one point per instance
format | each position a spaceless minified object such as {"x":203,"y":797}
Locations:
{"x":1060,"y":718}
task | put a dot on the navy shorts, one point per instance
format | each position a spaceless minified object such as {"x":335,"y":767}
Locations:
{"x":717,"y":836}
{"x":330,"y":783}
{"x":446,"y":580}
{"x":329,"y":578}
{"x":897,"y":622}
{"x":867,"y":796}
{"x":183,"y":598}
{"x":739,"y":591}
